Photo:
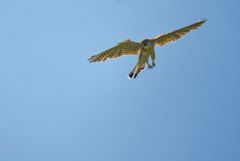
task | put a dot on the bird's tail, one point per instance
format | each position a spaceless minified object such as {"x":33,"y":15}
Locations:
{"x":136,"y":70}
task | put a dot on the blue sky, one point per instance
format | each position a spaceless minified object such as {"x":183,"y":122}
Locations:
{"x":56,"y":106}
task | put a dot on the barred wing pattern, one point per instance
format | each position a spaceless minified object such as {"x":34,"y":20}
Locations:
{"x":172,"y":36}
{"x":127,"y":47}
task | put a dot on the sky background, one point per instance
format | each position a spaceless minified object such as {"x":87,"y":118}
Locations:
{"x":56,"y":106}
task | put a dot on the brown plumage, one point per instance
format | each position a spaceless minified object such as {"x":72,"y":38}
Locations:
{"x":127,"y":47}
{"x":143,"y":49}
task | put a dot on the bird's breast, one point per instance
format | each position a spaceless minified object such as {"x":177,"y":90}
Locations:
{"x":148,"y":49}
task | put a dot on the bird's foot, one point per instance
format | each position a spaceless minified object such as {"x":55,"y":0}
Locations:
{"x":149,"y":66}
{"x":153,"y":64}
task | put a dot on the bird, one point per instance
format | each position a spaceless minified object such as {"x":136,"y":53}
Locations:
{"x":143,"y":49}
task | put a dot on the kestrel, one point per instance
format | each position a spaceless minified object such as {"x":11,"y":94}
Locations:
{"x":143,"y":49}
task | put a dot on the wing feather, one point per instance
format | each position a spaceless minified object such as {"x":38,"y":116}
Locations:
{"x":172,"y":36}
{"x":127,"y":47}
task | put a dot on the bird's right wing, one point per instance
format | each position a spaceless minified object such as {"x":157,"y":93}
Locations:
{"x":177,"y":34}
{"x":127,"y":47}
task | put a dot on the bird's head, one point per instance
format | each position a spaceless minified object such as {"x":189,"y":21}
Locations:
{"x":147,"y":43}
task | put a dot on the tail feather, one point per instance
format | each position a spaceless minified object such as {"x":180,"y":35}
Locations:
{"x":138,"y":71}
{"x":133,"y":74}
{"x":130,"y":75}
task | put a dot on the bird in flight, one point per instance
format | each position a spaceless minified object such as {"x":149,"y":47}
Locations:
{"x":143,"y":49}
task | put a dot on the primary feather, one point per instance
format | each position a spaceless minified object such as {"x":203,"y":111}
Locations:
{"x":177,"y":34}
{"x":127,"y":47}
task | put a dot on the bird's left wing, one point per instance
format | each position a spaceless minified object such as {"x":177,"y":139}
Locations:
{"x":127,"y":47}
{"x":177,"y":34}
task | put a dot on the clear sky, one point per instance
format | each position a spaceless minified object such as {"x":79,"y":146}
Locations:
{"x":56,"y":106}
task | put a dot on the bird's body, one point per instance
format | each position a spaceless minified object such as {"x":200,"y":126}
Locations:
{"x":147,"y":50}
{"x":144,"y":50}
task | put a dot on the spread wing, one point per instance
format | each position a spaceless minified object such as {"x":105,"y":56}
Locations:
{"x":172,"y":36}
{"x":127,"y":47}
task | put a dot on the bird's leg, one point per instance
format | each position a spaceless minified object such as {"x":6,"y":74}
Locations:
{"x":149,"y":66}
{"x":153,"y":58}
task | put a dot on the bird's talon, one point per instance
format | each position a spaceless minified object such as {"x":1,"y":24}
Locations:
{"x":150,"y":67}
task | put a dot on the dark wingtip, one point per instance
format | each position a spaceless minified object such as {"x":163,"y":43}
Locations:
{"x":203,"y":20}
{"x":92,"y":59}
